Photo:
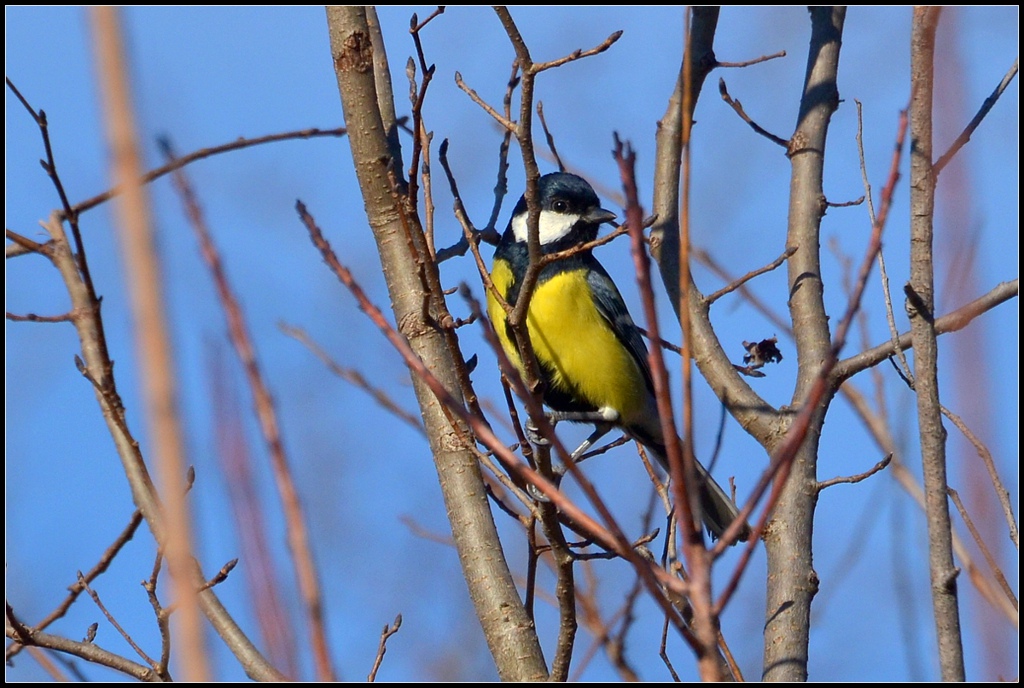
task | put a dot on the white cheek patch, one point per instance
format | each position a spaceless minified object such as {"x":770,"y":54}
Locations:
{"x":553,"y":226}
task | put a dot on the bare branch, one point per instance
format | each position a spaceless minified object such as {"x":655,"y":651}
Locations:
{"x":1002,"y":494}
{"x":920,"y":291}
{"x":32,"y":317}
{"x":851,"y":479}
{"x":418,"y":26}
{"x":736,"y":284}
{"x":548,"y":137}
{"x":577,"y":54}
{"x":748,"y":63}
{"x":382,"y":645}
{"x":202,"y":153}
{"x":353,"y":376}
{"x":738,"y":109}
{"x":76,"y":589}
{"x":989,"y":559}
{"x":23,"y":246}
{"x":88,"y":651}
{"x":965,"y":135}
{"x":162,"y":670}
{"x":951,"y":322}
{"x":506,"y":123}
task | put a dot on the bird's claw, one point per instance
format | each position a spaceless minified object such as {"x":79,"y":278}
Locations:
{"x":534,"y":435}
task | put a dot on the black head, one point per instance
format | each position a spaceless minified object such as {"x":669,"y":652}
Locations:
{"x":570,"y":212}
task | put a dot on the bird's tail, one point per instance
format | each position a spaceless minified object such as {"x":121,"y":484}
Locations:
{"x":718,"y":511}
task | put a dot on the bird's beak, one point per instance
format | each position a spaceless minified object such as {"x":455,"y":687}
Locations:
{"x":599,"y":215}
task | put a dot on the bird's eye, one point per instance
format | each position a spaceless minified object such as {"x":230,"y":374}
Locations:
{"x":560,"y":206}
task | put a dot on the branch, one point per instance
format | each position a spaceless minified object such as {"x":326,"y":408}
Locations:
{"x":610,"y":537}
{"x":989,"y":559}
{"x":1002,"y":494}
{"x":414,"y":288}
{"x":852,"y":479}
{"x":965,"y":135}
{"x":736,"y":284}
{"x":354,"y":377}
{"x":152,"y":333}
{"x":951,"y":322}
{"x":382,"y":645}
{"x":88,"y":651}
{"x":238,"y":332}
{"x":202,"y":153}
{"x":738,"y":109}
{"x":920,"y":291}
{"x":76,"y":588}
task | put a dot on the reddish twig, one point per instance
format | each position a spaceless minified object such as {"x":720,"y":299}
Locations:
{"x":989,"y":559}
{"x":238,"y":332}
{"x":353,"y":376}
{"x":202,"y":153}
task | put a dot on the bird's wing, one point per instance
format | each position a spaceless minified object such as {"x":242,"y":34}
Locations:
{"x":610,"y":304}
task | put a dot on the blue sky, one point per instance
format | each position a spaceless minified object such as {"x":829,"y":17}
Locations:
{"x":206,"y":76}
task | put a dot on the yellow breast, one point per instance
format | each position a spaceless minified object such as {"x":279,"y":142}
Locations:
{"x":574,"y":342}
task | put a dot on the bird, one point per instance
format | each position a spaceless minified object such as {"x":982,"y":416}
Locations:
{"x":592,"y":358}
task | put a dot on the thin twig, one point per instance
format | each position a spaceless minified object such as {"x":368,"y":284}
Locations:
{"x":221,"y":575}
{"x":88,"y":651}
{"x":506,"y":123}
{"x":202,"y":153}
{"x":353,"y":376}
{"x":844,"y":204}
{"x":382,"y":645}
{"x":980,"y":542}
{"x":577,"y":54}
{"x":738,"y":108}
{"x":23,"y":245}
{"x":851,"y":479}
{"x":883,"y":274}
{"x":748,"y":63}
{"x":161,"y":613}
{"x":1002,"y":494}
{"x":965,"y":135}
{"x":418,"y":26}
{"x":548,"y":137}
{"x":113,"y":622}
{"x":32,"y":317}
{"x":75,"y":589}
{"x":238,"y":332}
{"x":736,"y":284}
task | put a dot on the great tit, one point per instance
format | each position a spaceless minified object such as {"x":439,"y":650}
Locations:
{"x":592,"y":358}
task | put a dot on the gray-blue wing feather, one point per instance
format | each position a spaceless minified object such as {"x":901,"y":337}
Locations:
{"x":611,"y":306}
